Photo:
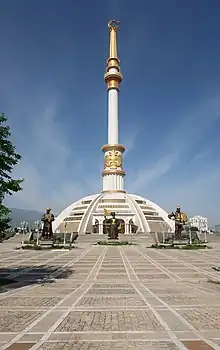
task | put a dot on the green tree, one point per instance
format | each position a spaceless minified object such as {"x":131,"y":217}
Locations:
{"x":8,"y":159}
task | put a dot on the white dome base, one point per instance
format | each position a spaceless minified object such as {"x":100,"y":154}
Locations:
{"x":83,"y":214}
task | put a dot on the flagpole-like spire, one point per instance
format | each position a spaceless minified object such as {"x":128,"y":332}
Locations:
{"x":113,"y":27}
{"x":113,"y":173}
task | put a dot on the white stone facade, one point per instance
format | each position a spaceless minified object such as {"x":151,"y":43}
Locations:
{"x":146,"y":215}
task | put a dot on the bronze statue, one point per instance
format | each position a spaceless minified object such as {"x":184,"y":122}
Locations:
{"x":96,"y":226}
{"x":47,"y":219}
{"x":113,"y":227}
{"x":106,"y":225}
{"x":133,"y":227}
{"x":180,"y":220}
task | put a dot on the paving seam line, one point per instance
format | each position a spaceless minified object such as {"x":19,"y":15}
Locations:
{"x":9,"y":293}
{"x":200,"y":288}
{"x":160,"y":267}
{"x":96,"y":267}
{"x":182,"y":319}
{"x":197,"y":269}
{"x":53,"y":275}
{"x":27,"y":259}
{"x":53,"y":308}
{"x":165,"y":326}
{"x":15,"y":254}
{"x":26,"y":269}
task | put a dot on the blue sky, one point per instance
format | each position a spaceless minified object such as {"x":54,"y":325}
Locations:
{"x":52,"y":63}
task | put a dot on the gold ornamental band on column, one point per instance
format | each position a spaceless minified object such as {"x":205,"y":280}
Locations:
{"x":113,"y":191}
{"x":113,"y":62}
{"x":113,"y":84}
{"x":113,"y":79}
{"x":113,"y":158}
{"x":113,"y":172}
{"x":110,"y":147}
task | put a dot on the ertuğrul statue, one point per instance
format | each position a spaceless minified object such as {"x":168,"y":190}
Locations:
{"x":113,"y":227}
{"x":180,"y":220}
{"x":47,"y":219}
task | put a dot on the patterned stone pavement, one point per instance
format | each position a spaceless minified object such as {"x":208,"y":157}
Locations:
{"x":102,"y":298}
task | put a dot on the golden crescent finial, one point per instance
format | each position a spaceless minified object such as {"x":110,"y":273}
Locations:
{"x":113,"y":24}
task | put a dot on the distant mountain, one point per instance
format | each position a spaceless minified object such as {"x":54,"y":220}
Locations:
{"x":19,"y":215}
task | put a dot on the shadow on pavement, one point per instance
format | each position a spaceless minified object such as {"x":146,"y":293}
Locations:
{"x":20,"y":276}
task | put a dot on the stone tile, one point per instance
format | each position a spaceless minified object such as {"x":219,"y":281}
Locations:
{"x":111,"y":314}
{"x":211,"y":286}
{"x":189,"y":300}
{"x":16,"y":321}
{"x":104,"y":336}
{"x":20,"y":346}
{"x":173,"y":321}
{"x":216,"y":341}
{"x":110,"y":321}
{"x":113,"y":265}
{"x":5,"y":337}
{"x":112,"y":269}
{"x":48,"y":291}
{"x":192,"y":275}
{"x":147,"y":336}
{"x":153,"y":276}
{"x":29,"y":301}
{"x":83,"y":264}
{"x":112,"y":291}
{"x":186,"y":335}
{"x":110,"y":277}
{"x":149,"y":269}
{"x":177,"y":269}
{"x":210,"y":333}
{"x":203,"y":318}
{"x":112,"y":273}
{"x":31,"y":338}
{"x":153,"y":300}
{"x":46,"y":322}
{"x":86,"y":336}
{"x":106,"y":301}
{"x":111,"y":285}
{"x":109,"y":280}
{"x":119,"y":345}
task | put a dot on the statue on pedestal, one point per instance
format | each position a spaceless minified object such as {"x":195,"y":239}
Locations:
{"x":106,"y":225}
{"x":113,"y":227}
{"x":133,"y":227}
{"x":47,"y":219}
{"x":95,"y":227}
{"x":180,"y":220}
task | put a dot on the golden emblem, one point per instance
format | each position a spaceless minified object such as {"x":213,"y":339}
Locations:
{"x":106,"y":212}
{"x":113,"y":160}
{"x":184,"y":217}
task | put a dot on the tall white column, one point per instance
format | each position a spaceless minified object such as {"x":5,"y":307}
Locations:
{"x":113,"y":182}
{"x":113,"y":174}
{"x":113,"y":116}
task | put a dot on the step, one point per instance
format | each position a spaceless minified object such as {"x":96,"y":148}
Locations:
{"x":45,"y":243}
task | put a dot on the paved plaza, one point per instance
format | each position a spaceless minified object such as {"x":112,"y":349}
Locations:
{"x":102,"y":298}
